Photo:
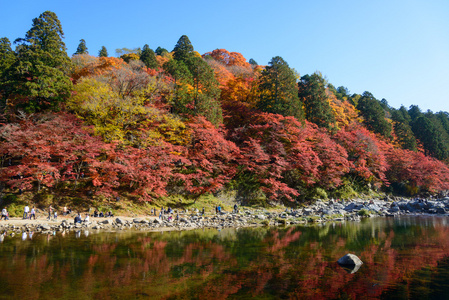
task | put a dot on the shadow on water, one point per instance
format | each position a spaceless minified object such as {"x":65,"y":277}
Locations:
{"x":403,"y":258}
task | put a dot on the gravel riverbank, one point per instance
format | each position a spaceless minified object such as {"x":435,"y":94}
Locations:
{"x":319,"y":212}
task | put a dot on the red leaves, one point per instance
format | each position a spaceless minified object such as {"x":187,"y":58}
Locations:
{"x":364,"y":154}
{"x":210,"y":159}
{"x":417,"y":171}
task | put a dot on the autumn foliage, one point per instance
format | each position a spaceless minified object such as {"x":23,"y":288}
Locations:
{"x":205,"y":124}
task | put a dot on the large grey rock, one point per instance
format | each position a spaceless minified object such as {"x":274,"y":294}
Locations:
{"x":45,"y":227}
{"x":261,"y":217}
{"x":104,"y":222}
{"x":157,"y":221}
{"x":373,"y":207}
{"x":394,"y":209}
{"x":353,"y":206}
{"x":307,"y":211}
{"x":139,"y":220}
{"x":119,"y":221}
{"x":350,"y":259}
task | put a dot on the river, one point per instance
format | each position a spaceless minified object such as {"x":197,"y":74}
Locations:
{"x":404,"y":258}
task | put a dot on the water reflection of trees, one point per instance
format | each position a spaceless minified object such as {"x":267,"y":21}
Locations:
{"x":293,"y":262}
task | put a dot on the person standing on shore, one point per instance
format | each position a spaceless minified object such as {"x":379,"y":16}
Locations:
{"x":33,"y":213}
{"x":4,"y":214}
{"x":26,"y":210}
{"x":50,"y":209}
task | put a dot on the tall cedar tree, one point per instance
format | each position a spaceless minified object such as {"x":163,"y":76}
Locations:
{"x":435,"y":140}
{"x":82,"y":48}
{"x":206,"y":87}
{"x":148,"y":57}
{"x":312,"y":92}
{"x":161,"y":51}
{"x":278,"y":90}
{"x":103,"y":52}
{"x":374,"y":115}
{"x":183,"y":49}
{"x":38,"y":79}
{"x":403,"y":130}
{"x":7,"y":58}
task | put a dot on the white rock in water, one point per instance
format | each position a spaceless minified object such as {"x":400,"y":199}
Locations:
{"x":350,"y":259}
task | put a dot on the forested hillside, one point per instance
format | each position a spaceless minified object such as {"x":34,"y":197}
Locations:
{"x":152,"y":123}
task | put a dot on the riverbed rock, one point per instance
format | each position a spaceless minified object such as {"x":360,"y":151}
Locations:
{"x":139,"y":220}
{"x":45,"y":227}
{"x":350,"y":259}
{"x":119,"y":221}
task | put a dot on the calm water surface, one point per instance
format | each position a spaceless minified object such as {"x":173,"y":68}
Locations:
{"x":404,"y":258}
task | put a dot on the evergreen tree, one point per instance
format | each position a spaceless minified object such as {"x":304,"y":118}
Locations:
{"x":414,"y":112}
{"x":312,"y":93}
{"x":431,"y":134}
{"x":82,"y":48}
{"x":252,"y":62}
{"x":342,"y":93}
{"x":183,"y":49}
{"x":161,"y":51}
{"x":443,"y":117}
{"x":181,"y":74}
{"x":403,"y":130}
{"x":148,"y":57}
{"x":206,"y":89}
{"x":39,"y":77}
{"x":278,"y":90}
{"x":7,"y":56}
{"x":103,"y":52}
{"x":374,"y":115}
{"x":192,"y":70}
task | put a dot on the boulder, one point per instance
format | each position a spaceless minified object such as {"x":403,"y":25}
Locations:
{"x":261,"y":217}
{"x":45,"y":227}
{"x":307,"y":211}
{"x":350,"y":259}
{"x":157,"y":221}
{"x":139,"y":220}
{"x":104,"y":222}
{"x":119,"y":221}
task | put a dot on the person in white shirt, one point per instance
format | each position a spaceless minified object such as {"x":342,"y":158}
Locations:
{"x":4,"y":214}
{"x":26,"y":210}
{"x":86,"y":220}
{"x":33,"y":213}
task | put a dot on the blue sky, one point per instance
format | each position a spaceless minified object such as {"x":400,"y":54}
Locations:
{"x":395,"y":49}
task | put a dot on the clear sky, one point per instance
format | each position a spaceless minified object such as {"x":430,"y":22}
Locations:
{"x":395,"y":49}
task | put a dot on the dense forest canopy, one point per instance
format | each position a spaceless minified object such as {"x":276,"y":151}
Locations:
{"x":152,"y":123}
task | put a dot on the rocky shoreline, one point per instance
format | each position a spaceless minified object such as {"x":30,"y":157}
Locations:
{"x":319,"y":212}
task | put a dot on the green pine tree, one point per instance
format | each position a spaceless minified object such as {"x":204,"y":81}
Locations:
{"x":148,"y":57}
{"x":432,"y":135}
{"x":161,"y":51}
{"x":374,"y":115}
{"x":278,"y":90}
{"x":103,"y":52}
{"x":82,"y":48}
{"x":312,"y":92}
{"x":183,"y":49}
{"x":403,"y":130}
{"x":7,"y":56}
{"x":39,"y":77}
